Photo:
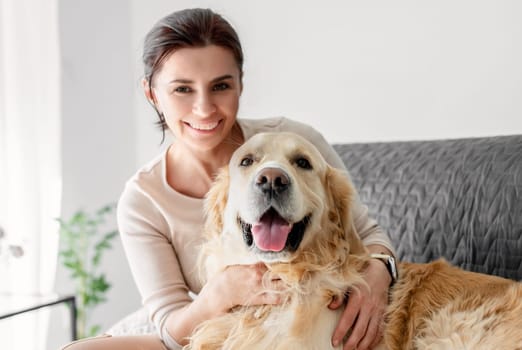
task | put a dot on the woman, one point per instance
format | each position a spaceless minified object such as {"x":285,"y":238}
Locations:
{"x":193,"y":79}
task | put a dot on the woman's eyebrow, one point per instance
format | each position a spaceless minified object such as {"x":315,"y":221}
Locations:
{"x":188,"y":81}
{"x":223,"y":77}
{"x":182,"y":81}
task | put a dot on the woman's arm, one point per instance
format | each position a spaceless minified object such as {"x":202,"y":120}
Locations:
{"x":151,"y":256}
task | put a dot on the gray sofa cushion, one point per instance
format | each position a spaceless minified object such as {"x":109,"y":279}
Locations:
{"x":458,"y":199}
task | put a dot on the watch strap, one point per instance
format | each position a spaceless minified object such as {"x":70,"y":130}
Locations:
{"x":389,"y":262}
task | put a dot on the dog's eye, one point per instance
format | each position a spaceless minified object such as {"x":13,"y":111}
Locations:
{"x":303,"y":163}
{"x":247,"y":161}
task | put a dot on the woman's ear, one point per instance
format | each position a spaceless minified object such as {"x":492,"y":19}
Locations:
{"x":147,"y":90}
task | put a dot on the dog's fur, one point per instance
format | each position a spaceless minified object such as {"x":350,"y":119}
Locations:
{"x":433,"y":306}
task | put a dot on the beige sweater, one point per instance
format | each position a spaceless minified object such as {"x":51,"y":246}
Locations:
{"x":161,"y":228}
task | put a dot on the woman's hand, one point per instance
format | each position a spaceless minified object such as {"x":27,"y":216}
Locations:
{"x":364,"y":310}
{"x":235,"y":285}
{"x":240,"y":285}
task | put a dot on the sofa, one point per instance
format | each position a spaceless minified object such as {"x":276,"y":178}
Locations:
{"x":456,"y":199}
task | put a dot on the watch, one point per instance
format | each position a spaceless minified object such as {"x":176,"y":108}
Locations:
{"x":390,"y":263}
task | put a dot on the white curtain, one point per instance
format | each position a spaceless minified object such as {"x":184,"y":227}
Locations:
{"x":30,"y":154}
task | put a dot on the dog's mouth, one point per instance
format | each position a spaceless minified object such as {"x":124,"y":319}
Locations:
{"x":272,"y":233}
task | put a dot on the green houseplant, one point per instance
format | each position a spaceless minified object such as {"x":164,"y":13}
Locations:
{"x":83,"y":240}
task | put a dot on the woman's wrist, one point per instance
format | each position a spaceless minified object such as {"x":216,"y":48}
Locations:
{"x":377,"y":266}
{"x":377,"y":269}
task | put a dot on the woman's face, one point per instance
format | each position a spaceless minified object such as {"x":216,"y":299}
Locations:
{"x":197,"y":90}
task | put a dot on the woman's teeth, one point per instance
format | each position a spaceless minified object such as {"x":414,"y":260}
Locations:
{"x":204,"y":127}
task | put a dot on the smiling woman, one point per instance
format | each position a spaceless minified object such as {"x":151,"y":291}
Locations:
{"x":30,"y":187}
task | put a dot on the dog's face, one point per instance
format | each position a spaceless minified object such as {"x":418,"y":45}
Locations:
{"x":278,"y":198}
{"x":276,"y":193}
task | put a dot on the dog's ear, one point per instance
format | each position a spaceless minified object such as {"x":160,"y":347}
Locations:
{"x":215,"y":203}
{"x":341,"y":195}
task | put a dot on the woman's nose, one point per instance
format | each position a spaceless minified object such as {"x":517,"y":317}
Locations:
{"x":203,"y":105}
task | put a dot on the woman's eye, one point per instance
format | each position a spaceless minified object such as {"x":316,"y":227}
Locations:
{"x":247,"y":161}
{"x":182,"y":89}
{"x":220,"y":87}
{"x":303,"y":163}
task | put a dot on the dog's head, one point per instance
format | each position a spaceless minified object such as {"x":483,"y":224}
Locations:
{"x":278,"y":200}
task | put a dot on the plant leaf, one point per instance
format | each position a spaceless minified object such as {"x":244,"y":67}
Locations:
{"x":94,"y":330}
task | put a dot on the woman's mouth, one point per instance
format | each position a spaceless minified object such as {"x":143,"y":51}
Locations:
{"x":203,"y":126}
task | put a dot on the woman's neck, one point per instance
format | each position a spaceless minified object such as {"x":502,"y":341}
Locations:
{"x":191,"y":172}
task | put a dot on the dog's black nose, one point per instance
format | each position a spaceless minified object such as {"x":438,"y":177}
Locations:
{"x":272,"y":180}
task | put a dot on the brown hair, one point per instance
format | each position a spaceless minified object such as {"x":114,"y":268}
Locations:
{"x":182,"y":29}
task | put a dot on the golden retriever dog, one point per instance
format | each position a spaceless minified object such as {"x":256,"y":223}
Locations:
{"x":279,"y":202}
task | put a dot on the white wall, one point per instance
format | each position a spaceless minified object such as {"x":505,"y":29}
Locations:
{"x":356,"y":70}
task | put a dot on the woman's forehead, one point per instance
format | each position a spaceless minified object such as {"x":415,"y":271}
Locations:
{"x":196,"y":64}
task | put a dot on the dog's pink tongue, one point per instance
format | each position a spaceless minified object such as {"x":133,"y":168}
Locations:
{"x":271,"y":232}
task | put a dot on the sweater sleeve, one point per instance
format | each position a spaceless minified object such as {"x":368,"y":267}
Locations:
{"x":367,"y":228}
{"x":153,"y":261}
